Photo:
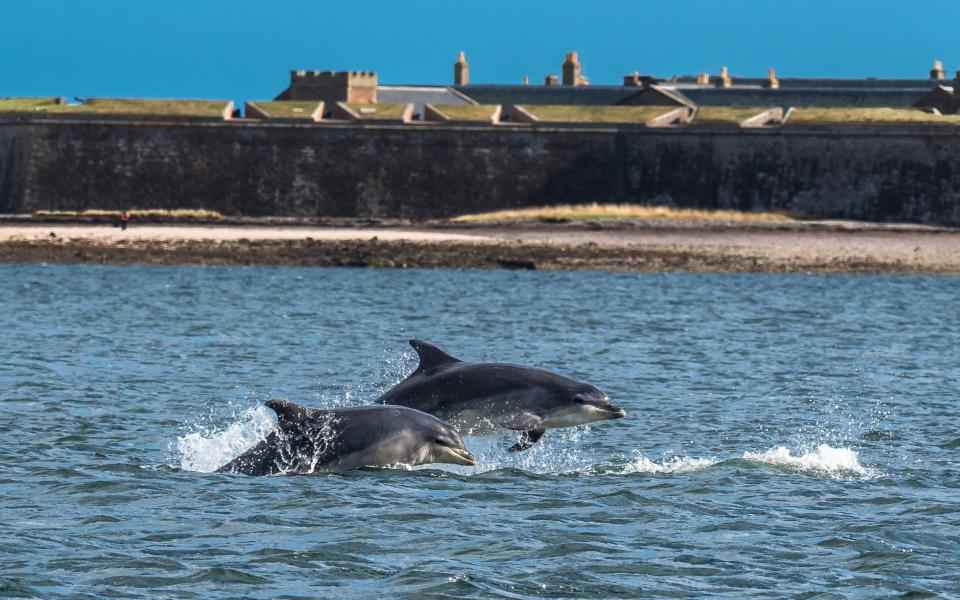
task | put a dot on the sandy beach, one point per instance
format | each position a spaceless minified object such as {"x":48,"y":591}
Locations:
{"x":654,"y":245}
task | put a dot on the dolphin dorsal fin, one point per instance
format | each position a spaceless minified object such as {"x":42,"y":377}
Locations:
{"x":289,"y":414}
{"x":431,"y":356}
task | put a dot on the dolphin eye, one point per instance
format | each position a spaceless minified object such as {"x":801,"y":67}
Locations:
{"x":579,"y":399}
{"x":443,"y":441}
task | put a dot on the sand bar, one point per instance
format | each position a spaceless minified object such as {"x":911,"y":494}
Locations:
{"x":825,"y":247}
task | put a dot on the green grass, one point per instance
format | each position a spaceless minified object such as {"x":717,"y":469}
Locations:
{"x":27,"y":103}
{"x":868,"y":115}
{"x":144,"y":106}
{"x":379,"y":111}
{"x":468,"y":112}
{"x":288,"y":109}
{"x":726,"y":114}
{"x":596,"y":212}
{"x":596,"y":114}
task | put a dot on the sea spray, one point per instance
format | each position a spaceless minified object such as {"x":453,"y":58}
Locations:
{"x":560,"y":453}
{"x":208,"y":449}
{"x":826,"y":460}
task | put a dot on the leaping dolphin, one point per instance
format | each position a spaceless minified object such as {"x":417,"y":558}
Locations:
{"x":479,"y":397}
{"x":309,"y":440}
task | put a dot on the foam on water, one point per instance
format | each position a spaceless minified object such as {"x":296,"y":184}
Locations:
{"x":207,"y":450}
{"x":673,"y":464}
{"x":560,"y":452}
{"x":825,"y":460}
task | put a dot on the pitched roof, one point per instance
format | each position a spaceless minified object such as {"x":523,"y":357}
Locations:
{"x":418,"y":95}
{"x":547,"y":94}
{"x":825,"y":97}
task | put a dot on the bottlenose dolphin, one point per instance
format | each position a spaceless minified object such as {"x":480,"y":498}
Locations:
{"x":478,"y":397}
{"x":309,"y":440}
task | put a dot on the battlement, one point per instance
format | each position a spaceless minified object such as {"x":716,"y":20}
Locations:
{"x":356,"y":77}
{"x":331,"y":86}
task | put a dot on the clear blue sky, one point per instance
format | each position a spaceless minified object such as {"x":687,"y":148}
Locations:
{"x":244,"y":49}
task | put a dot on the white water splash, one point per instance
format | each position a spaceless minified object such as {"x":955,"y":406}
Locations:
{"x":673,"y":464}
{"x":560,"y":454}
{"x":826,"y":460}
{"x":207,"y":450}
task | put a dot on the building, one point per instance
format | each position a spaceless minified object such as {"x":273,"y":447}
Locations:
{"x":702,"y":89}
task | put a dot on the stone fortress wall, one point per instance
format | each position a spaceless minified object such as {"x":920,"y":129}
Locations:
{"x":899,"y":173}
{"x":392,"y":165}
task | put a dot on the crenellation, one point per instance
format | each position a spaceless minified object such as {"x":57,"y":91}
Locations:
{"x":331,"y":86}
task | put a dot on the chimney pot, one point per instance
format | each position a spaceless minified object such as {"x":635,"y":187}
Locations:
{"x":937,"y":72}
{"x":571,"y":70}
{"x":461,"y":70}
{"x":723,"y":80}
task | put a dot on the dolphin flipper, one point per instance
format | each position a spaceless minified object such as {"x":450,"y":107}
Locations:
{"x":527,"y":439}
{"x":524,"y":421}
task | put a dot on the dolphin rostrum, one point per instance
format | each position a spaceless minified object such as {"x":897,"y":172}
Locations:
{"x":478,"y":397}
{"x":309,"y":440}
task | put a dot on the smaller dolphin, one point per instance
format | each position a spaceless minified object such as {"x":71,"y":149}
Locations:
{"x":309,"y":440}
{"x":479,"y":397}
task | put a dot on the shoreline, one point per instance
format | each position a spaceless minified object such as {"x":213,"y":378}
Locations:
{"x":650,"y":245}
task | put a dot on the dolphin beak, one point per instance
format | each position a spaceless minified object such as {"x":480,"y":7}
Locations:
{"x":615,"y":411}
{"x":604,"y":406}
{"x":463,"y":457}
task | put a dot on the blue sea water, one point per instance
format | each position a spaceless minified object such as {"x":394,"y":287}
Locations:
{"x":786,"y":435}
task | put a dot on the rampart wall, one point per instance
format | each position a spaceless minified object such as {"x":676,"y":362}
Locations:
{"x":908,"y":173}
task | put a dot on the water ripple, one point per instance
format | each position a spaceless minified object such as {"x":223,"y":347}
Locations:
{"x":784,"y":433}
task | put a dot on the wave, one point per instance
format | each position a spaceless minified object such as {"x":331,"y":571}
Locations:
{"x":825,"y":460}
{"x":673,"y":464}
{"x":560,"y":453}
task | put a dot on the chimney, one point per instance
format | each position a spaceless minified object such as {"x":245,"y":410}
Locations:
{"x":771,"y":82}
{"x":937,"y":73}
{"x":461,"y":70}
{"x":526,"y":80}
{"x":551,"y":79}
{"x":703,"y":79}
{"x":723,"y":80}
{"x":632,"y":80}
{"x":571,"y":70}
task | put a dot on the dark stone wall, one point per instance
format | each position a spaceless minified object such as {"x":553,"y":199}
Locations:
{"x":418,"y":171}
{"x":14,"y":151}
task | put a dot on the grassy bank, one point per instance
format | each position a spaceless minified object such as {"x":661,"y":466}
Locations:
{"x":594,"y":212}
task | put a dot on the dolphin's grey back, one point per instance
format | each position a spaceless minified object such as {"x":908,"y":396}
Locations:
{"x":308,"y":440}
{"x":441,"y":382}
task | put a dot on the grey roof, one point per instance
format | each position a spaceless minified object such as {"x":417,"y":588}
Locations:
{"x":547,"y":94}
{"x":708,"y":96}
{"x":745,"y":92}
{"x":656,"y":94}
{"x":819,"y":83}
{"x":418,"y":95}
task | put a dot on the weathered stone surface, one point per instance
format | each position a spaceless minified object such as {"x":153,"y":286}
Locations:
{"x":909,"y":173}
